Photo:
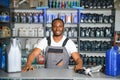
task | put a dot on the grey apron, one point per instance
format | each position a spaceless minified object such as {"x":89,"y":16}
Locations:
{"x":56,"y":55}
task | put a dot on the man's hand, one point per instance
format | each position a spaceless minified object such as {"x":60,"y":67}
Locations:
{"x":27,"y":68}
{"x":30,"y":59}
{"x":78,"y":61}
{"x":78,"y":67}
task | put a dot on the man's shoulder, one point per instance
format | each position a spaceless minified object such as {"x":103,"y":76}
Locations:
{"x":43,"y":39}
{"x":69,"y":41}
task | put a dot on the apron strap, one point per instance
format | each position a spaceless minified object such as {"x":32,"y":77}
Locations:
{"x":64,"y":43}
{"x":48,"y":41}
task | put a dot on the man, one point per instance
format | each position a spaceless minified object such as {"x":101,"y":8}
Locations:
{"x":52,"y":45}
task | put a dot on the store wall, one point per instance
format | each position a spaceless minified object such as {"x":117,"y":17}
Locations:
{"x":117,"y":15}
{"x":117,"y":20}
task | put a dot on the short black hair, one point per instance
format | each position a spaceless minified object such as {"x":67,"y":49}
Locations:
{"x":57,"y":19}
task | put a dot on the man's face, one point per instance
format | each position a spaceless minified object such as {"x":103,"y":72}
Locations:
{"x":57,"y":28}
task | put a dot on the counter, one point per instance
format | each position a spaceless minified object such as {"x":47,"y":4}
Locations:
{"x":67,"y":74}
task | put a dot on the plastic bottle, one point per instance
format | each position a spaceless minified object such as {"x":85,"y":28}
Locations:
{"x":32,"y":4}
{"x":13,"y":56}
{"x":69,"y":33}
{"x":65,"y":32}
{"x":27,"y":46}
{"x":113,"y":61}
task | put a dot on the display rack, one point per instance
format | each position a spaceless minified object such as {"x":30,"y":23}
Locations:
{"x":5,"y":30}
{"x":96,"y":30}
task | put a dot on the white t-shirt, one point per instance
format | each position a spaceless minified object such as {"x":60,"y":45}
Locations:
{"x":70,"y":45}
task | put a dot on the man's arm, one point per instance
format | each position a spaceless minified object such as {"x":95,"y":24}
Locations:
{"x":30,"y":59}
{"x":79,"y":63}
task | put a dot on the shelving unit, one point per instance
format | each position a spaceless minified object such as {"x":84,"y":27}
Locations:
{"x":29,"y":27}
{"x":97,"y":27}
{"x":5,"y":33}
{"x":96,"y":30}
{"x":5,"y":28}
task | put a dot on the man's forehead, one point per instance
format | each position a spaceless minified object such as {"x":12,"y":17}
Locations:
{"x":57,"y":21}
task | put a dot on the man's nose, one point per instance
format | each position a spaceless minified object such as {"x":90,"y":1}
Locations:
{"x":57,"y":28}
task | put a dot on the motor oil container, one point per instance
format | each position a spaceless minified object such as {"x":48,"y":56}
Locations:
{"x":2,"y":56}
{"x":13,"y":61}
{"x":113,"y":61}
